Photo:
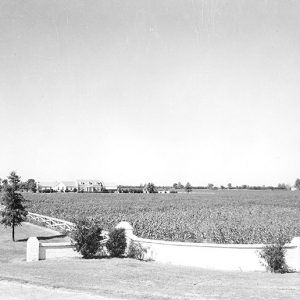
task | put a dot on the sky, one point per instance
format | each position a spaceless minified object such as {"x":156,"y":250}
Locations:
{"x":151,"y":91}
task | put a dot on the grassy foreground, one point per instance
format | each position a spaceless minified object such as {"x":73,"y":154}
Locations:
{"x":130,"y":279}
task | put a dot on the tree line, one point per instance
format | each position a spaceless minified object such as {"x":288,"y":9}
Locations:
{"x":152,"y":188}
{"x":29,"y":185}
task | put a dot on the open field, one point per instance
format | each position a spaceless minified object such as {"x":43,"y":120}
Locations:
{"x":126,"y":278}
{"x":219,"y":216}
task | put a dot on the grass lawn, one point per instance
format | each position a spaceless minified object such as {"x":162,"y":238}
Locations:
{"x":16,"y":251}
{"x":131,"y":279}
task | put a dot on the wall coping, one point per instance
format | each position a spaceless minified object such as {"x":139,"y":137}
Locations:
{"x":58,"y":244}
{"x":179,"y":244}
{"x":206,"y":245}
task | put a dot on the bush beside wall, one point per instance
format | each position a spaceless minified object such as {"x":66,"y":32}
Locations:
{"x":116,"y":244}
{"x":274,"y":258}
{"x":136,"y":251}
{"x":87,"y":237}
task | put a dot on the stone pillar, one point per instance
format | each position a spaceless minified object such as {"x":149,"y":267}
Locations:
{"x":296,"y":242}
{"x":128,"y":233}
{"x":33,"y":249}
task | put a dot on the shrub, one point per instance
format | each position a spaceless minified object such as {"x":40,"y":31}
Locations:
{"x":116,"y":243}
{"x":136,"y":251}
{"x":274,"y":257}
{"x":87,"y":237}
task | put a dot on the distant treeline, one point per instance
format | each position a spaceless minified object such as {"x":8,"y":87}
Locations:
{"x":31,"y":185}
{"x":130,"y":189}
{"x":210,"y":186}
{"x":257,"y":187}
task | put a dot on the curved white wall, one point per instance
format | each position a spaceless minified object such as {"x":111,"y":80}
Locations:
{"x":243,"y":257}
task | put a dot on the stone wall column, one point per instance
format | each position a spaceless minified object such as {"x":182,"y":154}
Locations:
{"x":296,"y":242}
{"x":128,"y":233}
{"x":33,"y":249}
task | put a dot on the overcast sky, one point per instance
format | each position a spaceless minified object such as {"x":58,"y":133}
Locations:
{"x":162,"y":91}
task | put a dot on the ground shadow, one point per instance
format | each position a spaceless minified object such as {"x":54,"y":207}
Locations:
{"x":44,"y":238}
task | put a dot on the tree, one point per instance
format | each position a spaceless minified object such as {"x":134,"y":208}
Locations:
{"x":282,"y":186}
{"x":14,"y":180}
{"x":3,"y":183}
{"x":150,"y":188}
{"x":188,"y":187}
{"x":180,"y":185}
{"x":175,"y":186}
{"x":297,"y":184}
{"x":30,"y":185}
{"x":14,"y":212}
{"x":229,"y":186}
{"x":210,"y":186}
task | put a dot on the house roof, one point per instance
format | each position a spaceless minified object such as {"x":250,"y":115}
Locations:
{"x":47,"y":183}
{"x":89,"y":182}
{"x":110,"y":185}
{"x":69,"y":183}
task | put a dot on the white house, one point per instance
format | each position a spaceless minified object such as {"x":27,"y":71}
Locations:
{"x":66,"y":186}
{"x":46,"y":185}
{"x":80,"y":185}
{"x":89,"y":186}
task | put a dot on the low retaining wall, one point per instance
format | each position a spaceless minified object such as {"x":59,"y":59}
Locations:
{"x":42,"y":251}
{"x":57,"y":250}
{"x":243,"y":257}
{"x":214,"y":256}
